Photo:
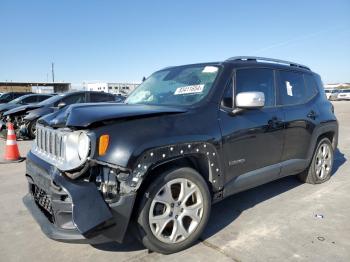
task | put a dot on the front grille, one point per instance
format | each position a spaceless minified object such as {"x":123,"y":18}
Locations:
{"x":51,"y":145}
{"x":50,"y":142}
{"x":43,"y":200}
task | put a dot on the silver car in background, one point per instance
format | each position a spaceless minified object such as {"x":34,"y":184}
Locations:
{"x":343,"y":94}
{"x":331,"y":94}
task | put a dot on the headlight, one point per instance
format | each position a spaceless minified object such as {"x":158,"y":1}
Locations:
{"x":67,"y":150}
{"x":77,"y":148}
{"x":83,"y":145}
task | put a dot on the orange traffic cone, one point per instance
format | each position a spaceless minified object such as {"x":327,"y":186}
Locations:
{"x":11,"y":150}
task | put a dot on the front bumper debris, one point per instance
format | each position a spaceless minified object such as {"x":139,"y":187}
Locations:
{"x":73,"y":211}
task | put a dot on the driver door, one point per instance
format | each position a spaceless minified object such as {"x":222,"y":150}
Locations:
{"x":252,"y":140}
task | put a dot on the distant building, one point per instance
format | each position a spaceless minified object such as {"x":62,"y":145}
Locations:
{"x":337,"y":86}
{"x":36,"y":87}
{"x":115,"y":88}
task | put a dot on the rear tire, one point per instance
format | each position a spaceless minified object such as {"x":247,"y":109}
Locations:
{"x":320,"y":169}
{"x":174,"y":211}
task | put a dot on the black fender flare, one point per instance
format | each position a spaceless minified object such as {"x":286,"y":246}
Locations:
{"x":156,"y":156}
{"x":323,"y":128}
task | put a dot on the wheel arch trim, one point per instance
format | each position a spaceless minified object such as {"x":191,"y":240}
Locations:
{"x":156,"y":157}
{"x":321,"y":131}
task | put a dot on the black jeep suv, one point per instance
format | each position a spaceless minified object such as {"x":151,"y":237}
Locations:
{"x":187,"y":137}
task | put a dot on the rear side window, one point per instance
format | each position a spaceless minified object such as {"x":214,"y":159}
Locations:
{"x":257,"y":80}
{"x":292,"y":89}
{"x":101,"y":97}
{"x":311,"y":86}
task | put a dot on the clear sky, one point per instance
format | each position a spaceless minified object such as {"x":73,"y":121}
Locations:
{"x":126,"y":40}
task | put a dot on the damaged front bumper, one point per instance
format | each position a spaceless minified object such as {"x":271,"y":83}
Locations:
{"x":74,"y":211}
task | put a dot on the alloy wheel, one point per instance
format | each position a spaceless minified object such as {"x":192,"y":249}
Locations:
{"x":323,"y":163}
{"x":176,"y":211}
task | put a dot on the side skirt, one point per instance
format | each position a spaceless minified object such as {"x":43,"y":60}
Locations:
{"x":264,"y":175}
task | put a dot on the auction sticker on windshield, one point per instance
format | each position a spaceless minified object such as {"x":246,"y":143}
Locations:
{"x":189,"y":89}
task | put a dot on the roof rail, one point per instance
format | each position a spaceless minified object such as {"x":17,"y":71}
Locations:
{"x":256,"y":58}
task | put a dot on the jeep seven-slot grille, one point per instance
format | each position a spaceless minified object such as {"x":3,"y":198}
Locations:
{"x":43,"y":201}
{"x":50,"y":141}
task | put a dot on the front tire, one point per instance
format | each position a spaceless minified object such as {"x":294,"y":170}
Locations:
{"x":320,"y":169}
{"x":174,"y":211}
{"x":32,"y":129}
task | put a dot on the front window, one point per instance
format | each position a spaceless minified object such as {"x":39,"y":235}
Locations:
{"x":51,"y":100}
{"x":185,"y":85}
{"x":257,"y":80}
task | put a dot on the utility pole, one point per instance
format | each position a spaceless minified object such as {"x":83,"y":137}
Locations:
{"x":53,"y":72}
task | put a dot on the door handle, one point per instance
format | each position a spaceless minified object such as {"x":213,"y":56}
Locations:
{"x":312,"y":114}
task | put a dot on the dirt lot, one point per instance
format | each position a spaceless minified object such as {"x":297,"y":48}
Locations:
{"x":274,"y":222}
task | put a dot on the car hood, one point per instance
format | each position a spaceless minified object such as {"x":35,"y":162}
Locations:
{"x":84,"y":115}
{"x":38,"y":112}
{"x":21,"y":109}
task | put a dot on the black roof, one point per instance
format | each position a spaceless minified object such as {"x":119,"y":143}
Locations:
{"x":247,"y":61}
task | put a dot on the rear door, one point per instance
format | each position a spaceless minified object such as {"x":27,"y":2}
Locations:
{"x":296,"y":96}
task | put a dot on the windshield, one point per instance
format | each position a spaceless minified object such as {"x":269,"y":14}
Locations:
{"x":5,"y":96}
{"x":18,"y":99}
{"x":50,"y":100}
{"x":184,"y":85}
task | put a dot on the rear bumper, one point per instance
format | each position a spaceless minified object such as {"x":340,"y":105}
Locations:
{"x":73,"y":211}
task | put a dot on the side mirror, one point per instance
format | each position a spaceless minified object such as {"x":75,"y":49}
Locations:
{"x":250,"y":100}
{"x":61,"y":105}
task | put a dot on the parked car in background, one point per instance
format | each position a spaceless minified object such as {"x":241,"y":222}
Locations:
{"x":187,"y":137}
{"x":120,"y":98}
{"x":25,"y":117}
{"x":331,"y":94}
{"x":343,"y":94}
{"x":7,"y":97}
{"x":30,"y":99}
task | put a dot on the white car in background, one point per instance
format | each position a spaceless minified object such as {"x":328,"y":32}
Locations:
{"x":331,"y":94}
{"x":344,"y":94}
